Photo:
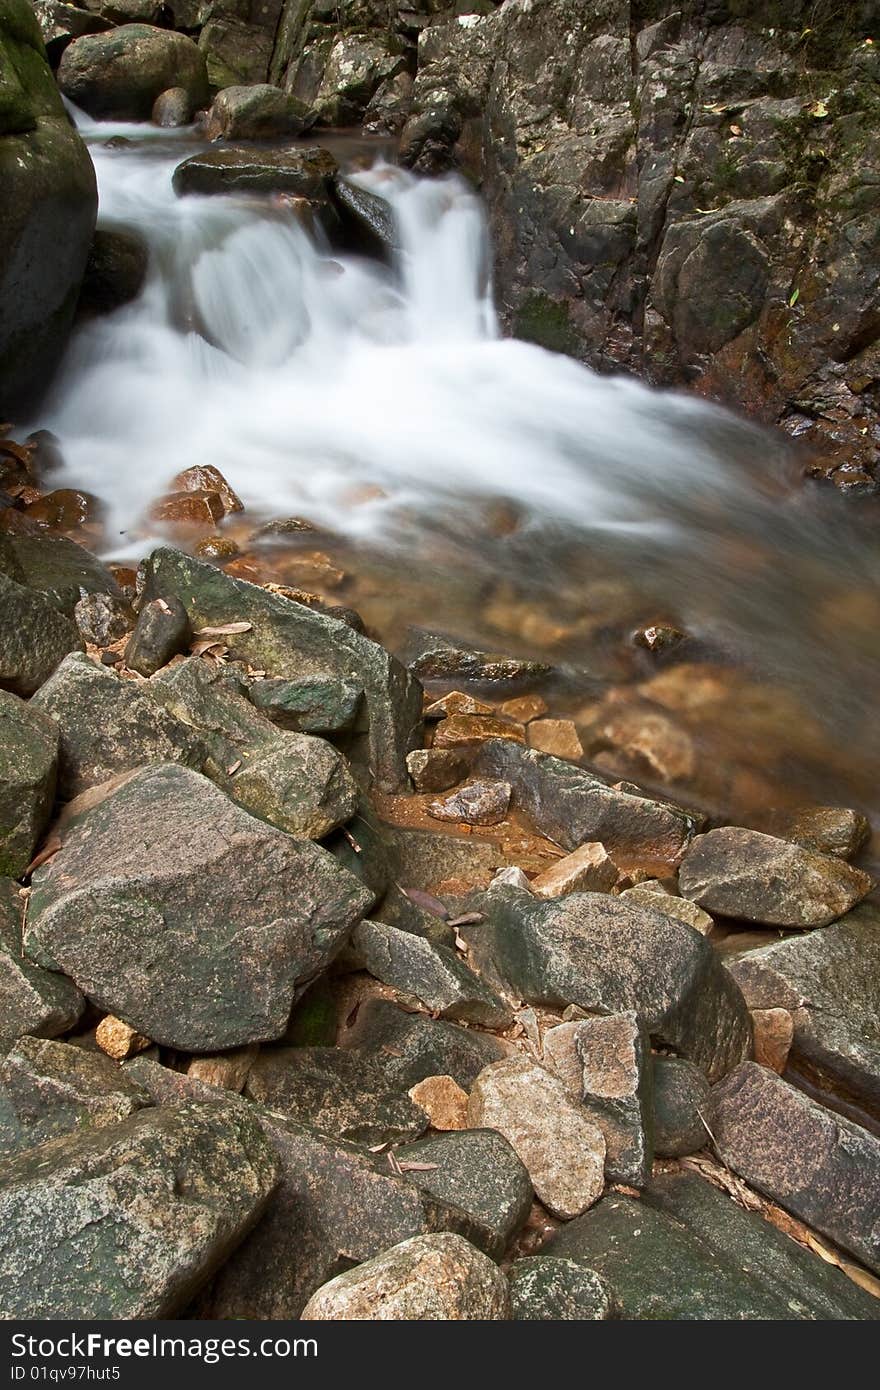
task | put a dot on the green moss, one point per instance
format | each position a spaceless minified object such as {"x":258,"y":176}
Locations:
{"x":547,"y":322}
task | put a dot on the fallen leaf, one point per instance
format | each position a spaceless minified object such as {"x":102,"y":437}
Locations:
{"x":467,"y":919}
{"x":225,"y":630}
{"x":426,"y":901}
{"x":406,"y":1167}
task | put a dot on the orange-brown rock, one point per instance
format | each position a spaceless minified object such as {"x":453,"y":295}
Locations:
{"x":206,"y":478}
{"x":525,"y":708}
{"x":556,"y":736}
{"x":118,"y":1039}
{"x":64,"y":509}
{"x":774,"y":1032}
{"x":590,"y":869}
{"x":190,"y":509}
{"x":456,"y":702}
{"x":443,"y":1100}
{"x":461,"y":729}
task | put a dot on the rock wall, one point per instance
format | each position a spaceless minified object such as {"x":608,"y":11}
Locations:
{"x":47,"y":211}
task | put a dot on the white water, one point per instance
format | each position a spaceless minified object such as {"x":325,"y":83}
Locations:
{"x":304,"y":375}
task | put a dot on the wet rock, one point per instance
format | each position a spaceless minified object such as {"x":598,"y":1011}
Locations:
{"x":572,"y":806}
{"x":524,"y":708}
{"x":236,"y":54}
{"x":550,"y":1287}
{"x":685,"y":1251}
{"x":432,"y":974}
{"x":590,"y":869}
{"x":34,"y":637}
{"x":118,"y":1039}
{"x":173,"y":109}
{"x":827,"y":981}
{"x":457,"y":702}
{"x":758,"y":878}
{"x":188,"y":509}
{"x":48,"y":1089}
{"x":658,"y":638}
{"x":616,"y":1088}
{"x":65,"y":509}
{"x":107,"y":725}
{"x":562,"y":1149}
{"x":219,"y":548}
{"x":59,"y":23}
{"x":28,"y":769}
{"x":32,"y":1001}
{"x":161,"y":631}
{"x":118,"y":76}
{"x":254,"y":113}
{"x":56,"y":567}
{"x":205,"y":478}
{"x":290,"y":641}
{"x":682,"y":909}
{"x":774,"y":1032}
{"x":367,"y":219}
{"x":478,"y":803}
{"x":443,"y":1101}
{"x":115,"y":272}
{"x":311,"y":706}
{"x":477,"y":1171}
{"x":435,"y":769}
{"x":819,"y":1166}
{"x":294,"y":781}
{"x":683,"y":1107}
{"x":337,"y":1092}
{"x":428,"y":1277}
{"x":151,"y":1206}
{"x":828,"y":829}
{"x":410,"y":1047}
{"x":102,"y":618}
{"x":462,"y":729}
{"x":434,"y":658}
{"x":150,"y":907}
{"x":556,"y":736}
{"x":606,"y":956}
{"x":243,"y":170}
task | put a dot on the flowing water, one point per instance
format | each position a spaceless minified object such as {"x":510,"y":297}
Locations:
{"x":492,"y":490}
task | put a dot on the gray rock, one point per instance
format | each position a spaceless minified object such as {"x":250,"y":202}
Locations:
{"x":683,"y":1108}
{"x":294,"y":781}
{"x":233,"y":169}
{"x":562,"y":1149}
{"x":161,"y":631}
{"x":291,"y":641}
{"x":758,"y":878}
{"x":401,"y":910}
{"x":819,"y":1166}
{"x":477,"y":803}
{"x":428,"y":1277}
{"x":32,"y":1001}
{"x":59,"y":23}
{"x":609,"y":956}
{"x":339,"y":1093}
{"x":311,"y":706}
{"x":616,"y":1088}
{"x":48,"y":1089}
{"x":254,"y":113}
{"x":432,"y":974}
{"x":828,"y":829}
{"x":118,"y":76}
{"x":551,"y":1288}
{"x":409,"y":1047}
{"x":236,"y":54}
{"x":173,"y":108}
{"x":366,"y":218}
{"x":572,"y":805}
{"x":151,"y":909}
{"x":685,"y":1251}
{"x":150,"y":1207}
{"x":477,"y":1171}
{"x":436,"y":769}
{"x":28,"y":768}
{"x":421,"y":860}
{"x":108,"y":725}
{"x":115,"y":273}
{"x":828,"y":982}
{"x":353,"y":70}
{"x":34,"y":637}
{"x":57,"y":567}
{"x":102,"y":618}
{"x":680,"y":908}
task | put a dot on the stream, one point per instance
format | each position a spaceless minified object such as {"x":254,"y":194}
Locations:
{"x":475,"y":485}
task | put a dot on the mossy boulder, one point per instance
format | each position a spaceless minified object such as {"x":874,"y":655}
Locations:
{"x":119,"y":75}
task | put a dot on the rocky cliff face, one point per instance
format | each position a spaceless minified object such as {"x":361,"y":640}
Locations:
{"x":47,"y":210}
{"x":688,"y":192}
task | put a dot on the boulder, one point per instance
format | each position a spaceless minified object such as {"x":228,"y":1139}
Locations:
{"x":477,"y":1171}
{"x":562,"y":1149}
{"x":173,"y":108}
{"x":47,"y":217}
{"x":588,"y":869}
{"x":118,"y":76}
{"x":28,"y":769}
{"x":236,"y":54}
{"x":759,"y":878}
{"x":56,"y":567}
{"x":107,"y":725}
{"x":310,"y":706}
{"x":607,"y":956}
{"x":819,"y":1166}
{"x":682,"y":909}
{"x":571,"y":805}
{"x":48,"y":1089}
{"x":829,"y":829}
{"x":151,"y":909}
{"x":826,"y":981}
{"x":115,"y":272}
{"x":434,"y":975}
{"x":683,"y":1108}
{"x":102,"y":618}
{"x":150,"y":1206}
{"x":367,"y":219}
{"x":339,"y":1093}
{"x":551,"y":1288}
{"x":477,"y":803}
{"x":421,"y":860}
{"x":294,"y":781}
{"x":287,"y":639}
{"x":617,"y":1089}
{"x":410,"y":1047}
{"x":243,"y":169}
{"x":254,"y":113}
{"x":437,"y":1277}
{"x":435,"y":769}
{"x":32,"y":1001}
{"x":162,"y":631}
{"x":59,"y":23}
{"x":34,"y":637}
{"x":685,"y":1251}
